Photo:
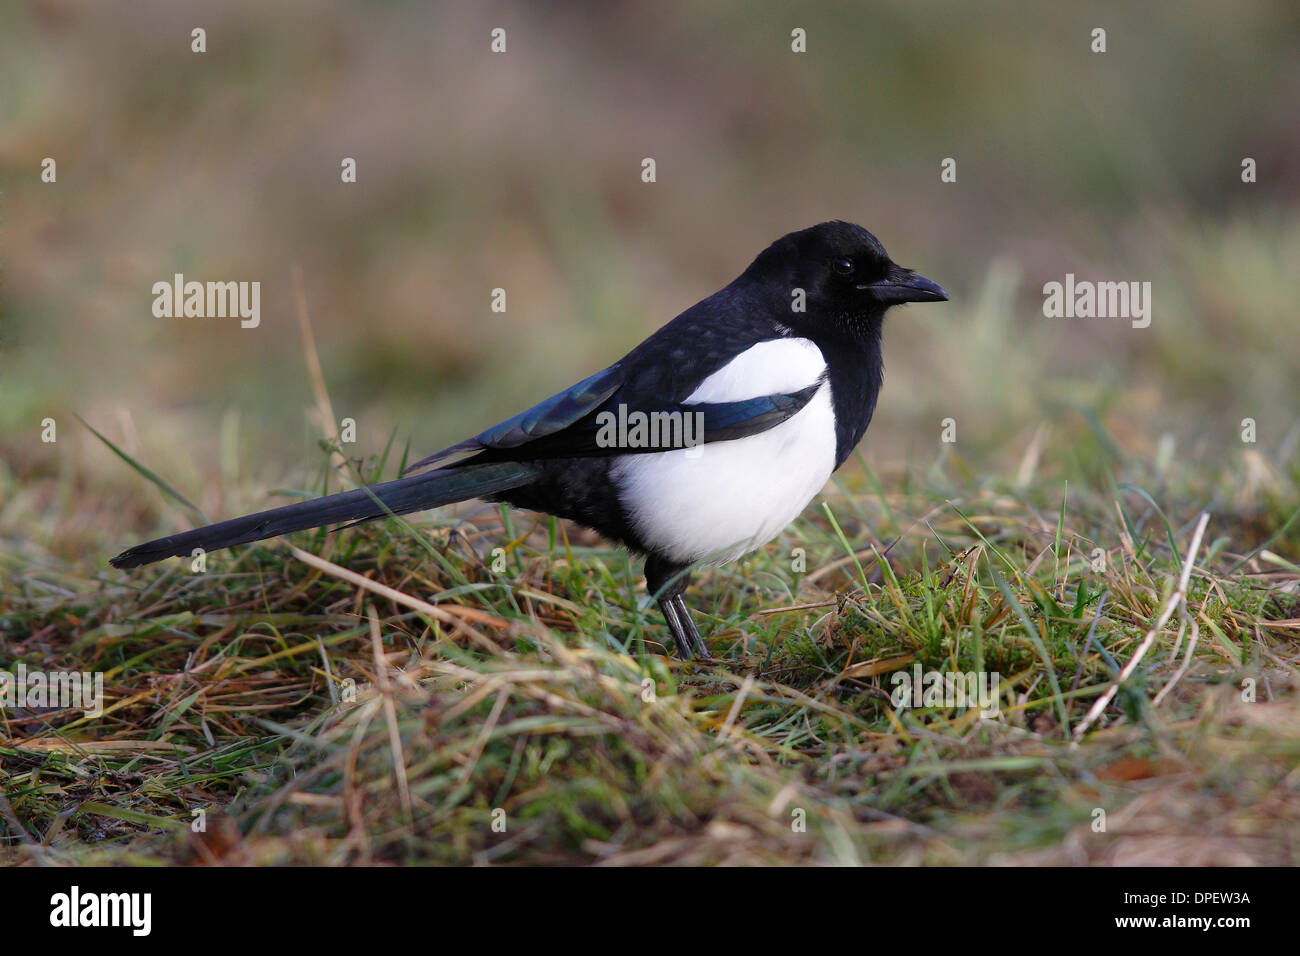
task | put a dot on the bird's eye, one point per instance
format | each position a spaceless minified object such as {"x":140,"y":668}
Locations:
{"x":843,"y":267}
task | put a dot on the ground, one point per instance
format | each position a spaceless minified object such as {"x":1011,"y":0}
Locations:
{"x":472,"y":705}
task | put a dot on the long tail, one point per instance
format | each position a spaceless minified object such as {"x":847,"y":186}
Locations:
{"x":402,"y":496}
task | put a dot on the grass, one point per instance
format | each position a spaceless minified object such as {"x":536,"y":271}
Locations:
{"x":258,"y":693}
{"x":529,"y":716}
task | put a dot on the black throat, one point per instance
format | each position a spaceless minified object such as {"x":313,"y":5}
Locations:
{"x":856,"y":371}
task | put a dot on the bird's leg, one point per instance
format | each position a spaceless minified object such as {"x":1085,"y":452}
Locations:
{"x":667,"y":582}
{"x":692,"y":632}
{"x":680,"y":635}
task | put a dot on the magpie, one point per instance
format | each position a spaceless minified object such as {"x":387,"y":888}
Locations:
{"x":763,"y":389}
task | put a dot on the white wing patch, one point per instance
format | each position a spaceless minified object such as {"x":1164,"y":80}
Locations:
{"x":774,"y":367}
{"x":718,"y":501}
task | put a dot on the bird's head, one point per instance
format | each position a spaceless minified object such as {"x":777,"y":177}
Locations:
{"x":835,"y":280}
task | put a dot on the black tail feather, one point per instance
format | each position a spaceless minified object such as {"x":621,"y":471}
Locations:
{"x":402,"y":496}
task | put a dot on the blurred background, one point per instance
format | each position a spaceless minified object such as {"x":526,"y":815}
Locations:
{"x":522,"y":170}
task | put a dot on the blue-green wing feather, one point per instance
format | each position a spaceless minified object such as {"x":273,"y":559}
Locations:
{"x":569,"y":424}
{"x":545,"y":418}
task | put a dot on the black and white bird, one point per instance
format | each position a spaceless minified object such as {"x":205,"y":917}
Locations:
{"x":762,"y":389}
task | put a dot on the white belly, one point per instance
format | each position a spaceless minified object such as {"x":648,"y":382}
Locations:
{"x":715,"y":502}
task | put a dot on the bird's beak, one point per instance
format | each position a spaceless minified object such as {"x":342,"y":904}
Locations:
{"x":904,"y":285}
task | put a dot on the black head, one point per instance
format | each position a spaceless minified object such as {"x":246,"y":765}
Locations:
{"x":842,"y":278}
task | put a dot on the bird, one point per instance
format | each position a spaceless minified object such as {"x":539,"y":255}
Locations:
{"x":699,"y":446}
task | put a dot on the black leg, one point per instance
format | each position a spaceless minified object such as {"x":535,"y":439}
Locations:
{"x":667,"y":582}
{"x":680,"y":635}
{"x":692,"y":632}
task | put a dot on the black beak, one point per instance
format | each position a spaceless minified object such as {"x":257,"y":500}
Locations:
{"x":904,"y":285}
